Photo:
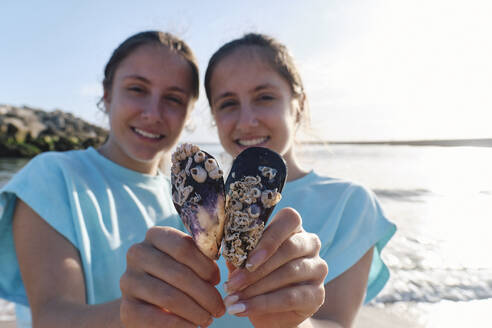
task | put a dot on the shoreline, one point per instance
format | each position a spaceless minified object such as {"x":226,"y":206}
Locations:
{"x":481,"y":143}
{"x":478,"y":142}
{"x":441,"y":143}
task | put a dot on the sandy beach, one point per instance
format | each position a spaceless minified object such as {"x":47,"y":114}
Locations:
{"x":369,"y":317}
{"x":409,"y":315}
{"x":373,"y":317}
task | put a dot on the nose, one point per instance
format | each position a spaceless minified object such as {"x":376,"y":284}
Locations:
{"x":247,"y":118}
{"x":152,"y":110}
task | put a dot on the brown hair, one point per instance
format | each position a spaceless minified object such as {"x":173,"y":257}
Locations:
{"x":167,"y":40}
{"x":276,"y":54}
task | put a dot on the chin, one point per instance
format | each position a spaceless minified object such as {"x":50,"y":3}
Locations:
{"x":147,"y":157}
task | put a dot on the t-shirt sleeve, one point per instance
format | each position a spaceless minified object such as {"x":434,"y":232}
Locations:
{"x":361,"y":224}
{"x":41,"y":185}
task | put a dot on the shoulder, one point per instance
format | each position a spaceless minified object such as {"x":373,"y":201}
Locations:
{"x":333,"y":185}
{"x":58,"y":158}
{"x":345,"y":195}
{"x":45,"y":170}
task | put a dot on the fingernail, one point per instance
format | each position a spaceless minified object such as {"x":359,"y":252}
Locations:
{"x":236,"y":308}
{"x":235,"y":282}
{"x":231,"y":299}
{"x":253,"y":263}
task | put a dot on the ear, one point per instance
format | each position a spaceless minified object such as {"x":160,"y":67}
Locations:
{"x":301,"y":103}
{"x":106,"y":100}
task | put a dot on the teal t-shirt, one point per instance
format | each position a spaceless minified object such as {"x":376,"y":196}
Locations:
{"x":98,"y":206}
{"x":348,"y":220}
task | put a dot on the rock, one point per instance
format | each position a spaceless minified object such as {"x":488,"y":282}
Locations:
{"x":25,"y":132}
{"x":14,"y":127}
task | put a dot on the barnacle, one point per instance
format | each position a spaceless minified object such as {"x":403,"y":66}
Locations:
{"x":216,"y":173}
{"x":198,"y":174}
{"x":199,"y":156}
{"x":210,"y":164}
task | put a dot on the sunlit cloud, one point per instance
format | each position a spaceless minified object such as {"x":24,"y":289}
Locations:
{"x":426,"y":63}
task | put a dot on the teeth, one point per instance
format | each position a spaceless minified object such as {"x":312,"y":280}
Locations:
{"x":251,"y":142}
{"x":147,"y":134}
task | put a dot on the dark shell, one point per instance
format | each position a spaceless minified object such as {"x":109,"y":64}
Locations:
{"x":247,"y":163}
{"x":206,"y":198}
{"x":252,"y":188}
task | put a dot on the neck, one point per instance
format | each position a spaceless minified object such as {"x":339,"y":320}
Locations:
{"x":294,"y":169}
{"x":110,"y":153}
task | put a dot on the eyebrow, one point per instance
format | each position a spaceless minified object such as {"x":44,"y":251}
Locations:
{"x":256,"y":89}
{"x":136,"y":77}
{"x":147,"y":81}
{"x":264,"y":86}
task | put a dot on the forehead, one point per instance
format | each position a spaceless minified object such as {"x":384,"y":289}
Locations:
{"x":245,"y":66}
{"x":156,"y":63}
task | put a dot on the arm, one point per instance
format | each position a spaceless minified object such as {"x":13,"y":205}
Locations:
{"x":285,"y":289}
{"x":283,"y":285}
{"x":344,"y":296}
{"x":155,"y":286}
{"x":53,"y":277}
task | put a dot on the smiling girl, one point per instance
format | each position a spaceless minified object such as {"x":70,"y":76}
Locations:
{"x":257,"y":98}
{"x":68,"y":219}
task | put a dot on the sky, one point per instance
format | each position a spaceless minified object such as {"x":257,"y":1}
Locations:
{"x":373,"y":69}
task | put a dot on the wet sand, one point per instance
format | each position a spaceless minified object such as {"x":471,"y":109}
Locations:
{"x":369,"y":317}
{"x":373,"y":317}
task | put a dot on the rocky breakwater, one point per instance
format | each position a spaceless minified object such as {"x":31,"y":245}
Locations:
{"x":26,"y":132}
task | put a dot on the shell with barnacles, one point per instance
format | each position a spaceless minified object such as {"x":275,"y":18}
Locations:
{"x":198,"y":196}
{"x":252,"y":191}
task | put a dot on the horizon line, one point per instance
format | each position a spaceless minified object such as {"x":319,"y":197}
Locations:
{"x":476,"y":142}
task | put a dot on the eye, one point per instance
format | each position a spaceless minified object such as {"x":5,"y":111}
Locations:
{"x":136,"y":89}
{"x":266,"y":97}
{"x":227,"y":104}
{"x":175,"y":99}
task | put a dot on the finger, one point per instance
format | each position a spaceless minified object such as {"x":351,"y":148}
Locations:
{"x":285,"y":223}
{"x":165,"y":268}
{"x":136,"y":314}
{"x":299,"y":271}
{"x":300,"y":298}
{"x":183,"y":249}
{"x":144,"y":287}
{"x":297,"y":246}
{"x":231,"y":268}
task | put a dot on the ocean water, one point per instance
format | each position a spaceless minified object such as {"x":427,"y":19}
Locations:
{"x":441,"y":200}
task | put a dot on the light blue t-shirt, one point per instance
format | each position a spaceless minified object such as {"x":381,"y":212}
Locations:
{"x":103,"y":208}
{"x":100,"y":207}
{"x":348,"y":220}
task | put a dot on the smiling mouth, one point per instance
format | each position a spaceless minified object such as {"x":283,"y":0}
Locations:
{"x":147,"y":134}
{"x":251,"y":142}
